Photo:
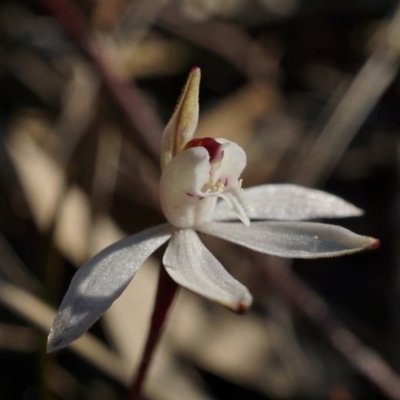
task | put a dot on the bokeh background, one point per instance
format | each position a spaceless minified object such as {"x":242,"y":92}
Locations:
{"x":310,"y":90}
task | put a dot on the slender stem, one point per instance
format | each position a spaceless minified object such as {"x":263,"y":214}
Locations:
{"x":166,"y":290}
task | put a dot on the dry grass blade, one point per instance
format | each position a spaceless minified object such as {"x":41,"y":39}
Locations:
{"x":14,"y":270}
{"x":17,"y":338}
{"x":79,"y":109}
{"x":106,"y":170}
{"x":125,"y":93}
{"x":366,"y":89}
{"x":362,"y":358}
{"x":233,"y":42}
{"x":127,"y":323}
{"x":41,"y":177}
{"x":41,"y":315}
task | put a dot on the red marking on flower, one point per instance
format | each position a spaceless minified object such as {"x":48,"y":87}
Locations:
{"x":193,"y":195}
{"x":242,"y":308}
{"x":375,"y":245}
{"x":210,"y":144}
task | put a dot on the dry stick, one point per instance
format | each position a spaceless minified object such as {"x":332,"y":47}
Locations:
{"x":14,"y":270}
{"x":363,"y":359}
{"x":363,"y":94}
{"x":40,"y":314}
{"x":234,"y":48}
{"x":366,"y":89}
{"x":124,"y":92}
{"x":166,"y":291}
{"x":108,"y":155}
{"x":139,"y":17}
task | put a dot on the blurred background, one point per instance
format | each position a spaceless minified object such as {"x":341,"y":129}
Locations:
{"x":308,"y":88}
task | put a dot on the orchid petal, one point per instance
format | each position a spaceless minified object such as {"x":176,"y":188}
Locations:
{"x":101,"y":281}
{"x":191,"y":265}
{"x":233,"y":164}
{"x":289,"y":202}
{"x":183,"y":123}
{"x":291,"y":239}
{"x":234,"y":201}
{"x":180,"y":188}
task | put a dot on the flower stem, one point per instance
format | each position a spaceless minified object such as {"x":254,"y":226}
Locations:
{"x":166,"y":290}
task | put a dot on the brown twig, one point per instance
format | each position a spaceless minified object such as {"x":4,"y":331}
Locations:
{"x":14,"y":270}
{"x":308,"y":302}
{"x":148,"y":126}
{"x":223,"y":38}
{"x":316,"y":161}
{"x":125,"y":93}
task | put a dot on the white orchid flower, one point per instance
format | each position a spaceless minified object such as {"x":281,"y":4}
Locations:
{"x":200,"y":191}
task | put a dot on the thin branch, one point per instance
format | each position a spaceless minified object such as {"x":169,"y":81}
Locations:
{"x":125,"y":93}
{"x":39,"y":314}
{"x":316,"y":163}
{"x":14,"y":270}
{"x":223,"y":38}
{"x":308,"y":302}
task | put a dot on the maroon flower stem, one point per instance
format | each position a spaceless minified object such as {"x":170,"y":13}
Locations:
{"x":166,"y":291}
{"x":365,"y":360}
{"x":125,"y":93}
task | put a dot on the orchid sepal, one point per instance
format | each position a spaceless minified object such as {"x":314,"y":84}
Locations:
{"x":100,"y":281}
{"x":288,"y":202}
{"x":192,"y":265}
{"x":291,"y":239}
{"x":183,"y":123}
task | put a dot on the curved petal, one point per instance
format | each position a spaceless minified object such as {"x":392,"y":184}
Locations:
{"x":289,"y":202}
{"x":291,"y":239}
{"x":191,"y":265}
{"x":234,"y":200}
{"x":101,"y":281}
{"x":233,"y":163}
